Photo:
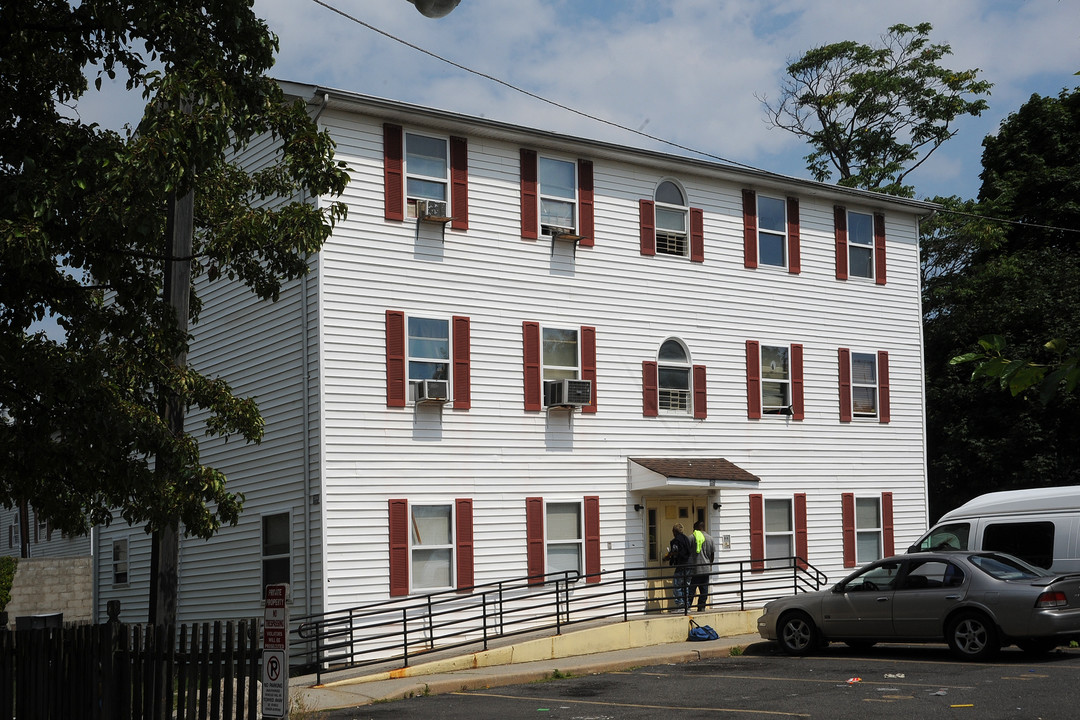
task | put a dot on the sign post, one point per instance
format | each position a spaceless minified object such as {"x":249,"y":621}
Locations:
{"x":275,"y":667}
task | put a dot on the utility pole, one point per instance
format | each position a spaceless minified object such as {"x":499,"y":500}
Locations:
{"x":165,"y":554}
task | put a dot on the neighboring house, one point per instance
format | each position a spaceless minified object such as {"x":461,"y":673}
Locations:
{"x":525,"y":352}
{"x":43,"y":541}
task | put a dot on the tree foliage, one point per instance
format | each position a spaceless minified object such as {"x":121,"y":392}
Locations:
{"x":83,"y":214}
{"x":1015,"y":285}
{"x":874,"y":114}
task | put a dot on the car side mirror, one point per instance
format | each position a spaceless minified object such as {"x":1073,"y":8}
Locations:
{"x":838,"y":588}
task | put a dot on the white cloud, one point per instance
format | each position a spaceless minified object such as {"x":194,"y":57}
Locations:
{"x":685,"y":70}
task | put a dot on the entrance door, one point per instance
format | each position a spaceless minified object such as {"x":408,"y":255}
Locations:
{"x":660,"y":515}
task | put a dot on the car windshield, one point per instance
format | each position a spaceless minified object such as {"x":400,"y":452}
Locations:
{"x":1006,"y":567}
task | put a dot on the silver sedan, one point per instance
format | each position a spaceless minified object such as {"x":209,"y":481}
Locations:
{"x":975,"y":601}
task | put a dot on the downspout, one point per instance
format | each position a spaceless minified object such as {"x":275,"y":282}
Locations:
{"x":306,"y":395}
{"x":922,"y":371}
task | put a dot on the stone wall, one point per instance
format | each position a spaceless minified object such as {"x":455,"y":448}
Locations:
{"x":44,"y":586}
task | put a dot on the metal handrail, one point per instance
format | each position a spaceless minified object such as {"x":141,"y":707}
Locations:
{"x":402,"y":629}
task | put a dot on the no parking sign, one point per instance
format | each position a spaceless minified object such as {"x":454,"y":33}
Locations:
{"x":275,"y":674}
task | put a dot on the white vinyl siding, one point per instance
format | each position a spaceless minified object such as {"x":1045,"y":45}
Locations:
{"x":334,"y":453}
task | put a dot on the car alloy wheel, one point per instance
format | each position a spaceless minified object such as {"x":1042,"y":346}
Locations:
{"x":797,"y":634}
{"x":972,"y":636}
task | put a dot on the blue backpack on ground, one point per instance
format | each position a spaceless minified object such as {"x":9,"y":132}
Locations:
{"x":701,"y":632}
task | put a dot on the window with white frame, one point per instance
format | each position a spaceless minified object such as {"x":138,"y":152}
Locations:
{"x":565,"y":547}
{"x":673,"y":377}
{"x":864,"y":385}
{"x":428,"y":347}
{"x":775,"y":380}
{"x":558,"y":195}
{"x":120,"y":561}
{"x":432,"y":548}
{"x":779,"y":532}
{"x":868,"y":529}
{"x":15,"y":532}
{"x":772,"y":231}
{"x":427,"y":163}
{"x":860,"y":237}
{"x":561,"y":358}
{"x":276,"y":546}
{"x":671,"y":220}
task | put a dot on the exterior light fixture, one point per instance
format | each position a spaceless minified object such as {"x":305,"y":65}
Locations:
{"x":435,"y":8}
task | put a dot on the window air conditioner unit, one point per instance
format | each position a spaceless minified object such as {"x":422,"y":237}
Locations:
{"x":567,"y":393}
{"x":431,"y":210}
{"x":567,"y":233}
{"x":432,"y":390}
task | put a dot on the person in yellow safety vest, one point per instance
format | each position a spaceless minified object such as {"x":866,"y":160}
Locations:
{"x":704,"y":554}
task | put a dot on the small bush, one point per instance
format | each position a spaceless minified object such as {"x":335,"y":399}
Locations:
{"x":7,"y":576}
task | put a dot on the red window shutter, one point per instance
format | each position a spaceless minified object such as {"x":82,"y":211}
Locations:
{"x":459,"y":183}
{"x":393,"y":173}
{"x":697,"y":235}
{"x":840,"y":223}
{"x":530,"y":209}
{"x":884,"y":413}
{"x":399,"y":547}
{"x":586,"y":225}
{"x":592,"y":539}
{"x":879,"y":248}
{"x":844,"y":360}
{"x":530,"y":332}
{"x":798,"y":408}
{"x":647,"y":215}
{"x":802,"y":545}
{"x":588,"y":363}
{"x":650,"y":389}
{"x":701,"y":400}
{"x":749,"y":216}
{"x":793,"y":243}
{"x":757,"y":533}
{"x":753,"y":379}
{"x":462,"y":364}
{"x":534,"y":539}
{"x":847,"y":523}
{"x":888,"y":542}
{"x":395,"y":359}
{"x":464,"y":536}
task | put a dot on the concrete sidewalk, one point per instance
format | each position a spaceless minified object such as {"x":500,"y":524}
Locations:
{"x":647,"y":641}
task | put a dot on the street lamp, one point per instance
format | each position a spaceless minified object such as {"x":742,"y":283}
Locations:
{"x":435,"y":8}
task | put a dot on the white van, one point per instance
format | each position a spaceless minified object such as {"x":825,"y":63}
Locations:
{"x":1041,"y":525}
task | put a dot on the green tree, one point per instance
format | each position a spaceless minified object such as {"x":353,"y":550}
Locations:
{"x":83,"y":235}
{"x":1016,"y":286}
{"x":874,"y":114}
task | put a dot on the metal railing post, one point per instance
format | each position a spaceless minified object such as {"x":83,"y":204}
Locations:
{"x":742,"y":587}
{"x":483,"y":613}
{"x":625,"y":597}
{"x":405,"y":635}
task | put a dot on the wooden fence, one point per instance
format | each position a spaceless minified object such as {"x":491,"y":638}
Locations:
{"x":116,"y":671}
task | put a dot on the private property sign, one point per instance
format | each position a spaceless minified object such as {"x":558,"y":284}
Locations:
{"x":275,"y":674}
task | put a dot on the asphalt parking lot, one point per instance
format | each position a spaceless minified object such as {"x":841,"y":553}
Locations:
{"x":888,"y":681}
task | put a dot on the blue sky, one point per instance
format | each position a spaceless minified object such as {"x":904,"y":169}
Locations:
{"x":689,"y":71}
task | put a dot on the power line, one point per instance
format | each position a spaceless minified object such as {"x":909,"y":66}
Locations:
{"x":634,"y":131}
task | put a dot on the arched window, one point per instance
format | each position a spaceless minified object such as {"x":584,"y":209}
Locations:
{"x":673,"y":375}
{"x":671,"y":220}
